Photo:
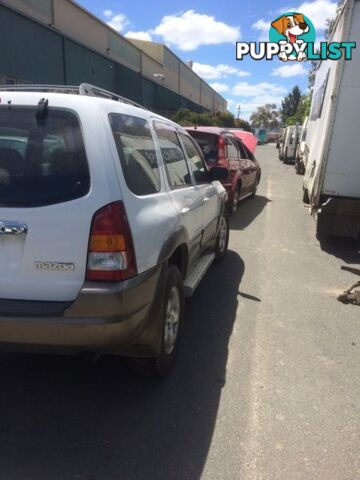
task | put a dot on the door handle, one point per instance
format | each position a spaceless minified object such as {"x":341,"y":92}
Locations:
{"x":206,"y":199}
{"x":185,"y":210}
{"x":13,"y":228}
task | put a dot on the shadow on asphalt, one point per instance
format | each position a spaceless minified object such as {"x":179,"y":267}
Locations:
{"x":346,"y":249}
{"x":247,"y":211}
{"x":63,"y":418}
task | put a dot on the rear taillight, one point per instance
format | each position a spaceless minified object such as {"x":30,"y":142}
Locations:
{"x":222,"y":160}
{"x":111,"y":254}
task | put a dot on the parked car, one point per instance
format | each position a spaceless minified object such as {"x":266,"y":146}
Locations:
{"x":300,"y":149}
{"x":222,"y":148}
{"x":109,"y":218}
{"x":280,"y":142}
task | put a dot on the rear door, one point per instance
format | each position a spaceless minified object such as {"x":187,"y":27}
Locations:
{"x":211,"y":199}
{"x":44,"y":216}
{"x":233,"y":156}
{"x":249,"y":166}
{"x":188,"y":200}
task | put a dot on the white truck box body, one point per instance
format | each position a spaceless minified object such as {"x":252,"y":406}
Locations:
{"x":332,"y":144}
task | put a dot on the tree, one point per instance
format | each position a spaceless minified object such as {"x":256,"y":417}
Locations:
{"x":301,"y":113}
{"x":225,"y":119}
{"x":243,"y":124}
{"x":188,"y":118}
{"x":265,"y":116}
{"x":290,"y":104}
{"x":184,"y":117}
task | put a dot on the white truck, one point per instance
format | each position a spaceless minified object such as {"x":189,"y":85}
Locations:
{"x":300,"y":150}
{"x":332,"y":154}
{"x":288,"y":147}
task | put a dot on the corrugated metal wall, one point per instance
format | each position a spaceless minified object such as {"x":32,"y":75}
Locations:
{"x":29,"y":51}
{"x":34,"y":53}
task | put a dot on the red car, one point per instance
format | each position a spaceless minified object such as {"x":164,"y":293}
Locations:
{"x":222,"y":148}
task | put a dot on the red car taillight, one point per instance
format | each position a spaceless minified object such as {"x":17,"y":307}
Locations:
{"x":222,"y":160}
{"x":111,"y":255}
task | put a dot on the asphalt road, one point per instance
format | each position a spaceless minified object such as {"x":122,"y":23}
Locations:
{"x":267,"y":385}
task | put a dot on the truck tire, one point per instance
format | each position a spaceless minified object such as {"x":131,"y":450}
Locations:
{"x":172,"y":313}
{"x":222,"y":239}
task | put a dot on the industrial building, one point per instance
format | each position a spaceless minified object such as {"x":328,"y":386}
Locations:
{"x":59,"y":42}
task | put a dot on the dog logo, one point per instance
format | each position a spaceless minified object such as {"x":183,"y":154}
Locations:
{"x":293,"y":30}
{"x":292,"y":38}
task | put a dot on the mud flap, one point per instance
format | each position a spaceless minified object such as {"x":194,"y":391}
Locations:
{"x":339,"y":217}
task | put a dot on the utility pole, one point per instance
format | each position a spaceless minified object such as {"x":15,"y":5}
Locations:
{"x":238,"y":111}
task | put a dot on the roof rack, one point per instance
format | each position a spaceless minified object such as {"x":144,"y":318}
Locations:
{"x":82,"y":89}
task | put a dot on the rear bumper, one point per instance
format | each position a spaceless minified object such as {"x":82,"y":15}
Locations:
{"x":339,"y":217}
{"x":105,"y":318}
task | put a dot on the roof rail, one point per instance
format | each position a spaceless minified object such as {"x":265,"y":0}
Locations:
{"x":88,"y":89}
{"x":40,"y":88}
{"x":82,"y":89}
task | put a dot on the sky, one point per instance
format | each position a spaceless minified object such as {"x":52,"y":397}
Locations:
{"x":206,"y":31}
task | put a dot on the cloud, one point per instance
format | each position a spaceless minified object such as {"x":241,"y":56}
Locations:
{"x":116,"y":21}
{"x":189,"y":30}
{"x":318,"y":12}
{"x":287,"y":71}
{"x":247,"y":107}
{"x":245,"y":89}
{"x":230,"y":103}
{"x":263,"y":26}
{"x":253,"y":96}
{"x":139,"y":35}
{"x":220,"y":87}
{"x":216,"y":72}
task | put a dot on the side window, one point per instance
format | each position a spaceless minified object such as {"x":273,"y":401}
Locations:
{"x":196,"y":162}
{"x":243,"y":152}
{"x":318,"y":99}
{"x":231,"y":150}
{"x":173,"y":156}
{"x":250,"y":156}
{"x":136,"y":150}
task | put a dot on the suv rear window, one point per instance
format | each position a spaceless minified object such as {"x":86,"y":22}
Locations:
{"x":136,"y":150}
{"x":208,"y":143}
{"x":42,"y":161}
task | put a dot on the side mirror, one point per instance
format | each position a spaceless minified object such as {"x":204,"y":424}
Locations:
{"x":218,"y":173}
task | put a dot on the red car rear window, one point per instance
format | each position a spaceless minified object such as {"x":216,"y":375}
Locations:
{"x":208,"y":143}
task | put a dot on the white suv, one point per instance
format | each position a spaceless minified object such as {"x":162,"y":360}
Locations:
{"x":109,"y":217}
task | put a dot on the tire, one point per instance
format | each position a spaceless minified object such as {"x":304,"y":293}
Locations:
{"x":222,"y":239}
{"x":235,"y":201}
{"x":172,"y":312}
{"x":306,"y":198}
{"x":296,"y":165}
{"x":253,"y":195}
